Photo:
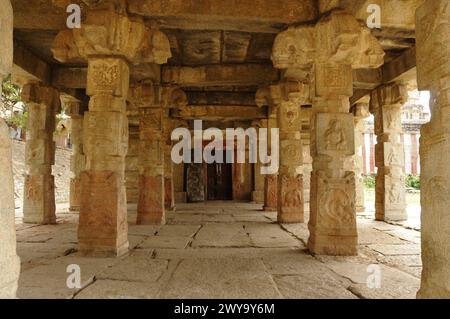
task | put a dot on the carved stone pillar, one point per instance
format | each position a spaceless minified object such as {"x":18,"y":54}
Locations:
{"x":306,"y":155}
{"x":328,"y":51}
{"x":169,"y":197}
{"x":386,"y":103}
{"x":361,"y":112}
{"x":78,"y":159}
{"x":110,"y":41}
{"x":258,"y":187}
{"x":290,"y":176}
{"x":271,"y":180}
{"x":9,"y":261}
{"x":39,"y":189}
{"x":132,"y":165}
{"x":433,"y":74}
{"x":151,"y":156}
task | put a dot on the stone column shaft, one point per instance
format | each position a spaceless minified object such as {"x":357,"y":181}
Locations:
{"x":332,"y":223}
{"x":169,"y":196}
{"x":103,"y":228}
{"x":132,"y":165}
{"x":258,"y":187}
{"x":433,"y":74}
{"x":9,"y":261}
{"x":77,"y":161}
{"x":151,"y":208}
{"x":39,"y":189}
{"x":360,"y":113}
{"x":271,"y":180}
{"x":290,"y":176}
{"x":386,"y":103}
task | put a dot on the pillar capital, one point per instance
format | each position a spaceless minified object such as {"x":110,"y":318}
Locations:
{"x":337,"y":38}
{"x":37,"y":93}
{"x":107,"y":32}
{"x":289,"y":90}
{"x":390,"y":95}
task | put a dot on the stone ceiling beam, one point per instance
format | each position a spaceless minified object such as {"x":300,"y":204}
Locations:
{"x":266,"y":16}
{"x":221,"y":98}
{"x":28,"y":67}
{"x":216,"y":75}
{"x":401,"y":68}
{"x":220,"y":112}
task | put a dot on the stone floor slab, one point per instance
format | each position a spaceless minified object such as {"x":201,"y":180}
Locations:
{"x":221,"y":278}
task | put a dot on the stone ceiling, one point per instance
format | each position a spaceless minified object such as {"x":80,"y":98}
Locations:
{"x":218,"y":32}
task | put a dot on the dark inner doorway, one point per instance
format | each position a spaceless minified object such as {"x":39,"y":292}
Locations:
{"x":219,"y":181}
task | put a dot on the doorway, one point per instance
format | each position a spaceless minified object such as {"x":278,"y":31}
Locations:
{"x":219,"y":181}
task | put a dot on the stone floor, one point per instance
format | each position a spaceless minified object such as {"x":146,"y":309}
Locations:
{"x":219,"y":250}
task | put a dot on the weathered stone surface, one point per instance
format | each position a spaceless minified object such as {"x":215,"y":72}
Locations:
{"x":9,"y":262}
{"x":145,"y":268}
{"x":151,"y":201}
{"x":433,"y":74}
{"x":241,"y":277}
{"x":232,"y":235}
{"x":117,"y":289}
{"x":50,"y":280}
{"x":103,"y":228}
{"x":408,"y":249}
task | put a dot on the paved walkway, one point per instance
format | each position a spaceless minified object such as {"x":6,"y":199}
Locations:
{"x":219,"y":250}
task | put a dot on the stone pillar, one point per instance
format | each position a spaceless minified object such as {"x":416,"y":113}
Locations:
{"x":78,"y":159}
{"x":361,"y":112}
{"x":39,"y":188}
{"x":433,"y":74}
{"x":169,"y":197}
{"x":9,"y":261}
{"x":103,"y":228}
{"x":271,"y":180}
{"x":386,"y":103}
{"x":110,"y":42}
{"x":329,"y":51}
{"x":258,"y":187}
{"x":306,"y":156}
{"x":195,"y":187}
{"x":132,"y":165}
{"x":151,"y":208}
{"x":179,"y":183}
{"x":290,"y":176}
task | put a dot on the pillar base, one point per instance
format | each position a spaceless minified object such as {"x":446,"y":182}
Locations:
{"x":89,"y":250}
{"x":398,"y":216}
{"x":333,"y":245}
{"x":103,"y":227}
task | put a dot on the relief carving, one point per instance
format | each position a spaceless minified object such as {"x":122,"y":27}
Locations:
{"x":334,"y":136}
